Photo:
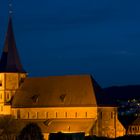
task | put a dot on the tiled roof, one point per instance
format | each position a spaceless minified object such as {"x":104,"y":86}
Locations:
{"x":56,"y":91}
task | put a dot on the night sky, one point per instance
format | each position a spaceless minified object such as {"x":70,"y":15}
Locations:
{"x":62,"y":37}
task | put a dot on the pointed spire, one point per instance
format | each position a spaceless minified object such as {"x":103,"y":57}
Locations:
{"x":10,"y":61}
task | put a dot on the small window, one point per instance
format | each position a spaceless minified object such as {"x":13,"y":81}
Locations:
{"x":101,"y":114}
{"x":1,"y":108}
{"x":76,"y":115}
{"x":69,"y":128}
{"x":62,"y":97}
{"x":34,"y":98}
{"x":46,"y":114}
{"x":0,"y":83}
{"x":21,"y":81}
{"x":18,"y":114}
{"x":0,"y":96}
{"x":8,"y":96}
{"x":111,"y":115}
{"x":28,"y":115}
{"x":37,"y":115}
{"x":133,"y":128}
{"x":86,"y":114}
{"x":130,"y":129}
{"x":66,"y":114}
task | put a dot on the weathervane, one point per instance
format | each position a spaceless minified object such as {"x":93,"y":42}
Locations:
{"x":10,"y":7}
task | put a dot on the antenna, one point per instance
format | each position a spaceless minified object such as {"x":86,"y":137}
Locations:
{"x":10,"y":7}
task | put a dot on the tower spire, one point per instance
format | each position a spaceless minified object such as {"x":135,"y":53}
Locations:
{"x":10,"y":61}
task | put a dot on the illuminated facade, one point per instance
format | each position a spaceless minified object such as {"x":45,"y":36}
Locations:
{"x":66,"y":104}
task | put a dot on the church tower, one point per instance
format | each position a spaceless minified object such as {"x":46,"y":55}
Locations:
{"x":12,"y":73}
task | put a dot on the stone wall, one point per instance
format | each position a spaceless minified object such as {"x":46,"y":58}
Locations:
{"x":55,"y":112}
{"x":107,"y":124}
{"x":9,"y":82}
{"x":81,"y":117}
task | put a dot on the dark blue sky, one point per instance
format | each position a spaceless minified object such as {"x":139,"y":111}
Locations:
{"x":62,"y":37}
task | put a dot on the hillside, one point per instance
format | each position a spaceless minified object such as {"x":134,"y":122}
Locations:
{"x":111,"y":95}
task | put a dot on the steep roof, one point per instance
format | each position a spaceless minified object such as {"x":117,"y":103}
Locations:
{"x":56,"y":91}
{"x":10,"y":61}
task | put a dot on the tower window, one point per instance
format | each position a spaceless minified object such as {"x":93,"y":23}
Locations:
{"x":0,"y":96}
{"x":0,"y":83}
{"x":21,"y":81}
{"x":1,"y":108}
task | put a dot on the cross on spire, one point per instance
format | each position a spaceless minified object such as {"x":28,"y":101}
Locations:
{"x":10,"y":7}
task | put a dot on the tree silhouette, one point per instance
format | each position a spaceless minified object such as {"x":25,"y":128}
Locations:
{"x":6,"y":131}
{"x":30,"y":132}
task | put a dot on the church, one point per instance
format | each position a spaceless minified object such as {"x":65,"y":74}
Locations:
{"x":67,"y":104}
